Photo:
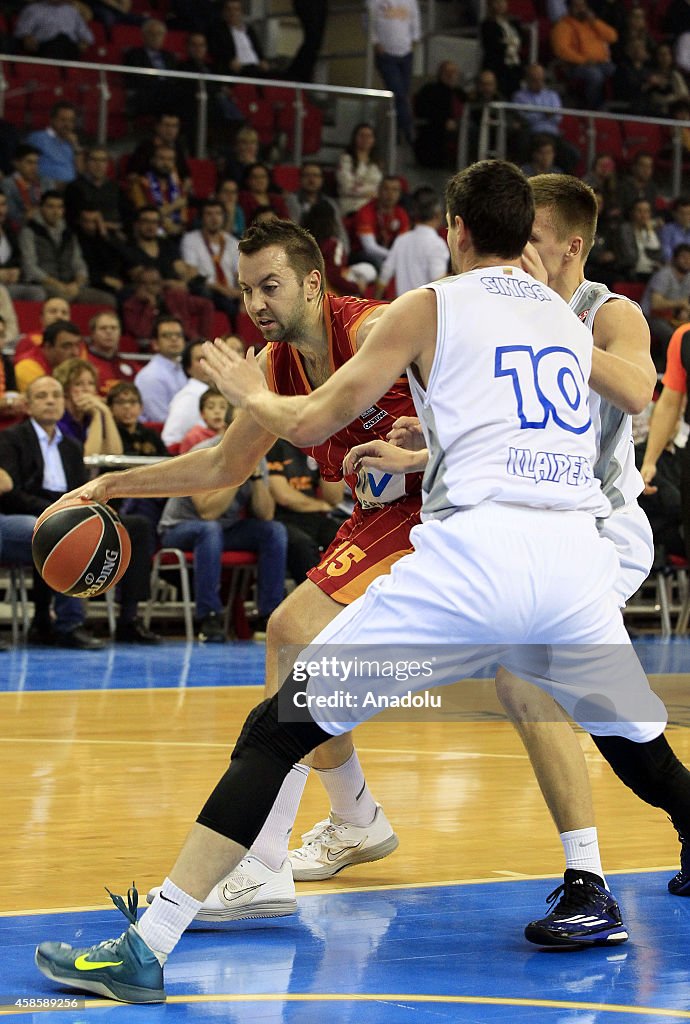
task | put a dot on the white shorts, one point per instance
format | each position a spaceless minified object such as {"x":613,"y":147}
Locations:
{"x":531,"y":589}
{"x":629,"y":529}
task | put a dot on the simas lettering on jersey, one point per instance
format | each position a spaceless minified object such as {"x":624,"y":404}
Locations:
{"x":516,"y":288}
{"x":574,"y":470}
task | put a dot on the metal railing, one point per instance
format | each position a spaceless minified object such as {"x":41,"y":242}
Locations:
{"x":103,"y":71}
{"x":494,"y":129}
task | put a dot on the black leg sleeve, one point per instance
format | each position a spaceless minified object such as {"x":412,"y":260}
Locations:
{"x":263,"y":756}
{"x":653,"y":772}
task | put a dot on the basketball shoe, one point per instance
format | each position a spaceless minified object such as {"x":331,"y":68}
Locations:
{"x":586,"y":915}
{"x":332,"y":845}
{"x":251,"y":890}
{"x":680,"y":883}
{"x":125,"y":969}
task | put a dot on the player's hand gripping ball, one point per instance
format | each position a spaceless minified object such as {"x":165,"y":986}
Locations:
{"x":80,"y":548}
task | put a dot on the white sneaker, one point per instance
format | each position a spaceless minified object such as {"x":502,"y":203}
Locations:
{"x":331,"y":846}
{"x":251,"y":890}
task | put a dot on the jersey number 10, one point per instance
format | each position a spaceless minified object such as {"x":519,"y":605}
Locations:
{"x":547,"y":384}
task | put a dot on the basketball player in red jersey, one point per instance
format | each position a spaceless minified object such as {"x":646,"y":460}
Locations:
{"x":310,"y":334}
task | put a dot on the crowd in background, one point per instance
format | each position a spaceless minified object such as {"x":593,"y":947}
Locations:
{"x":123,"y":238}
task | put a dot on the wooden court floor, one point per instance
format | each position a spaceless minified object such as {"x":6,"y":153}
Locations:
{"x":107,"y":758}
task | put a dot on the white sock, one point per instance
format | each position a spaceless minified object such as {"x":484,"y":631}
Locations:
{"x":581,"y":848}
{"x":351,"y":799}
{"x":271,"y":844}
{"x":161,"y":926}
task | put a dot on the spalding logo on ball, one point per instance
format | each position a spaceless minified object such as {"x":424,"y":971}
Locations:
{"x":81,"y":548}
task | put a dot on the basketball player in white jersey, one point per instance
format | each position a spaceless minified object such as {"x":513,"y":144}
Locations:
{"x":563,"y":233}
{"x":507,"y":561}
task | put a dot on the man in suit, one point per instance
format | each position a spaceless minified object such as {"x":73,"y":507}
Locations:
{"x":43,"y":465}
{"x":151,"y":96}
{"x":235,"y":47}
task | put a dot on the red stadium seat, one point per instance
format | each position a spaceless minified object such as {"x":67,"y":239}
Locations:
{"x":631,"y":289}
{"x":204,"y":174}
{"x":220,"y":325}
{"x":82,"y":312}
{"x":286,"y":176}
{"x":643,"y":138}
{"x":247,"y":331}
{"x":28,"y":315}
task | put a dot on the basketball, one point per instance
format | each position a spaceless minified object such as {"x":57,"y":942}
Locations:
{"x":81,"y":548}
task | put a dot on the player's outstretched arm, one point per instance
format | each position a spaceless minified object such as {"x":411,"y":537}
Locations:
{"x":225,"y":465}
{"x":405,"y":334}
{"x":622,"y":368}
{"x":384,"y":457}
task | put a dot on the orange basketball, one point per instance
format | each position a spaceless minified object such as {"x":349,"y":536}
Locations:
{"x":81,"y":548}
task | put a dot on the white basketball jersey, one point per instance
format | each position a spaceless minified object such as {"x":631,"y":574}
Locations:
{"x":505,"y":413}
{"x":615,"y":465}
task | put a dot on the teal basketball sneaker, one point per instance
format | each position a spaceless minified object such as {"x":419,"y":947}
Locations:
{"x":125,"y":969}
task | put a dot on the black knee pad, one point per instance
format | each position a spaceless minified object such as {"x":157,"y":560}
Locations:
{"x":263,"y":756}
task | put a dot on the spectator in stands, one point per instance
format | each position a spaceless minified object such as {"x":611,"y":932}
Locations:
{"x":603,"y":177}
{"x":103,"y":352}
{"x":124,"y":401}
{"x":234,"y":45}
{"x":166,"y":132}
{"x":639,"y":246}
{"x":150,"y":96}
{"x":54,"y":29}
{"x":223,"y":112}
{"x":305,"y":504}
{"x":152,"y":299}
{"x":634,"y":27}
{"x":358,"y":174}
{"x":232,"y":519}
{"x":542,"y":157}
{"x":61,"y":341}
{"x":666,"y":300}
{"x":309,"y":193}
{"x":438,"y":107}
{"x":58,"y":145}
{"x":42,"y":465}
{"x":25,"y":186}
{"x":149,"y":248}
{"x":677,"y":230}
{"x":52,"y":309}
{"x":601,"y":261}
{"x":502,"y":43}
{"x":162,"y":187}
{"x":631,"y":80}
{"x":582,"y":42}
{"x":213,"y":253}
{"x":183,"y":413}
{"x":483,"y":92}
{"x":419,"y":255}
{"x":234,"y":221}
{"x":535,"y":93}
{"x":94,"y":189}
{"x":12,"y":404}
{"x":312,"y":15}
{"x":10,"y":262}
{"x":87,"y":419}
{"x":379,"y":222}
{"x":213,"y":410}
{"x":257,"y":188}
{"x":103,"y":254}
{"x":639,"y":184}
{"x":394,"y":29}
{"x":52,"y":257}
{"x":114,"y":12}
{"x":245,"y":152}
{"x":340,"y":278}
{"x":163,"y":376}
{"x":666,"y":82}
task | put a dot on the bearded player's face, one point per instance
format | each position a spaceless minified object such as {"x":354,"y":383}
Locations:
{"x":273,"y":296}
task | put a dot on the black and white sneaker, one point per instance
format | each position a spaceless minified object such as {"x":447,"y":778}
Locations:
{"x":586,"y":915}
{"x":211,"y":630}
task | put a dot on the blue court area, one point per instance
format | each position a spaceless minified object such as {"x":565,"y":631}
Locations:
{"x":179,"y":665}
{"x":427,"y":955}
